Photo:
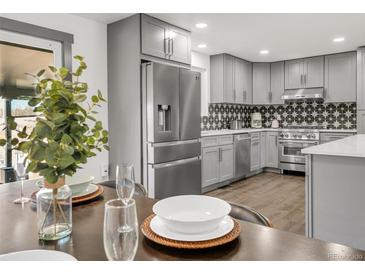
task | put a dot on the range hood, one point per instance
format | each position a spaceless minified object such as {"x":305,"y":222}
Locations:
{"x":303,"y":94}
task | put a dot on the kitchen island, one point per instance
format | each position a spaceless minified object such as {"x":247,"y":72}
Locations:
{"x":335,"y":190}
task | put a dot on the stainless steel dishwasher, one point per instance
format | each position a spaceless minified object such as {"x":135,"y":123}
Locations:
{"x":242,"y":154}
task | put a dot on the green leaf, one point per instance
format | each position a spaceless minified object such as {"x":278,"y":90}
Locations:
{"x":22,"y":135}
{"x":53,"y":69}
{"x":104,"y":133}
{"x":11,"y":123}
{"x":2,"y":142}
{"x":24,"y":146}
{"x":34,"y":101}
{"x":98,"y":125}
{"x":66,"y":139}
{"x":100,"y":96}
{"x":66,"y":161}
{"x":78,"y":57}
{"x":91,"y":118}
{"x":42,"y":130}
{"x":106,"y":147}
{"x":63,"y":72}
{"x":79,"y":98}
{"x":41,"y":72}
{"x":94,"y":99}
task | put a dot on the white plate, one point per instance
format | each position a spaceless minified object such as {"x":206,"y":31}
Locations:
{"x":90,"y":189}
{"x":159,"y":227}
{"x":37,"y":255}
{"x":191,"y":213}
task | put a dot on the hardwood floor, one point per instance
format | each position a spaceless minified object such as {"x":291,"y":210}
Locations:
{"x":279,"y":197}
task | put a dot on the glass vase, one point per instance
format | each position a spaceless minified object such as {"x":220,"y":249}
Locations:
{"x":54,"y":212}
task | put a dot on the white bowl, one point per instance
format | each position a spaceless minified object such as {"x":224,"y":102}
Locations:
{"x":79,"y":183}
{"x":192,"y":214}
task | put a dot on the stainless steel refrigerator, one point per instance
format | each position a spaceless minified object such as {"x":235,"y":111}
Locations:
{"x":171,"y":130}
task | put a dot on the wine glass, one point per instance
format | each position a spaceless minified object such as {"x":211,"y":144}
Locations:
{"x":124,"y":182}
{"x":21,"y":174}
{"x":120,"y":245}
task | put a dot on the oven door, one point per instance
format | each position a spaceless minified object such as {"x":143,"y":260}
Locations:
{"x":290,"y":151}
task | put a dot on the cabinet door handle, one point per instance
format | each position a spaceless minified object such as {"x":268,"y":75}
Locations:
{"x":172,"y":47}
{"x":276,"y":140}
{"x":166,"y":46}
{"x":301,"y":79}
{"x":244,"y":95}
{"x":305,"y":79}
{"x":234,"y":95}
{"x":220,"y":154}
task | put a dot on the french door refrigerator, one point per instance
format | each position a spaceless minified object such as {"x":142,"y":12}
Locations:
{"x":171,"y":130}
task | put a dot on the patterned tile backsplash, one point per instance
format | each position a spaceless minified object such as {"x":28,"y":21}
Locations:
{"x":329,"y":115}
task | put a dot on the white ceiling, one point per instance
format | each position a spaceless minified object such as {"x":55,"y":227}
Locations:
{"x":286,"y":36}
{"x":105,"y":18}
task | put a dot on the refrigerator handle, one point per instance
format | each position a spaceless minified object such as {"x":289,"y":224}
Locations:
{"x":176,"y":163}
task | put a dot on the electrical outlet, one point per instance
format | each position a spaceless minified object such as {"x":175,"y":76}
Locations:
{"x":104,"y":170}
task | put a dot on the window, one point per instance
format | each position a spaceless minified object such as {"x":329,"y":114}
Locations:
{"x":20,"y":55}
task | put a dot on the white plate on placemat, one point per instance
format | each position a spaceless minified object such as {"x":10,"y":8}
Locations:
{"x":37,"y":255}
{"x":90,"y":189}
{"x":160,"y":228}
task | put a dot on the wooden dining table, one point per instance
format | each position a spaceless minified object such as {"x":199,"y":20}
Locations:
{"x":18,"y":231}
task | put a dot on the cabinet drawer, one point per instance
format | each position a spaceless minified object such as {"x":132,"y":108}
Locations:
{"x":210,"y":141}
{"x":329,"y":137}
{"x":225,"y":140}
{"x":255,"y":136}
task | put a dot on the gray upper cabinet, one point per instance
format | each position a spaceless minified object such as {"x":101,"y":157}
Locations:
{"x":238,"y":80}
{"x":340,"y":77}
{"x":180,"y":45}
{"x":247,"y":82}
{"x":160,"y":39}
{"x":154,"y":37}
{"x":294,"y":74}
{"x":304,"y":73}
{"x":313,"y":72}
{"x":277,"y":82}
{"x":261,"y":83}
{"x":230,"y":80}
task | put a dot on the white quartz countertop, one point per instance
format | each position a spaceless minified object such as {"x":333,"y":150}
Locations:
{"x":250,"y":130}
{"x":353,"y":146}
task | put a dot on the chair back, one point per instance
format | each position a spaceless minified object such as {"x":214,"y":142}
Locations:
{"x":245,"y":213}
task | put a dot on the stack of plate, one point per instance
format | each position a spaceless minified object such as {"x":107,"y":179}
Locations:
{"x":191,"y":218}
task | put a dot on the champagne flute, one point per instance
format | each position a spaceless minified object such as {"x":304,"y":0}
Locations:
{"x":124,"y":182}
{"x":21,"y":174}
{"x":120,"y":245}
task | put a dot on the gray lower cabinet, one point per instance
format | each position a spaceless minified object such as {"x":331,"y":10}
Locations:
{"x":163,"y":40}
{"x":217,"y":159}
{"x":226,"y":166}
{"x":255,"y":151}
{"x":263,"y":136}
{"x":340,"y":77}
{"x":261,"y":83}
{"x":272,"y":153}
{"x":210,"y":166}
{"x":325,"y":137}
{"x":361,"y":121}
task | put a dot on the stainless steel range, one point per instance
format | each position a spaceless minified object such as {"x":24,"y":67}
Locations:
{"x":291,"y":141}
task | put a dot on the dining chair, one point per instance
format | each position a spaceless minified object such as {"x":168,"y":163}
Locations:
{"x":245,"y":213}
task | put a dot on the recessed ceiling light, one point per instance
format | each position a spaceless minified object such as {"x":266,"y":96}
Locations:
{"x":201,"y":25}
{"x":264,"y":51}
{"x":202,"y":46}
{"x":339,"y":39}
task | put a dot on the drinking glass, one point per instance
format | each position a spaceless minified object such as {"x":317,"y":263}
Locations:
{"x":120,"y":245}
{"x":21,"y":174}
{"x":124,"y":181}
